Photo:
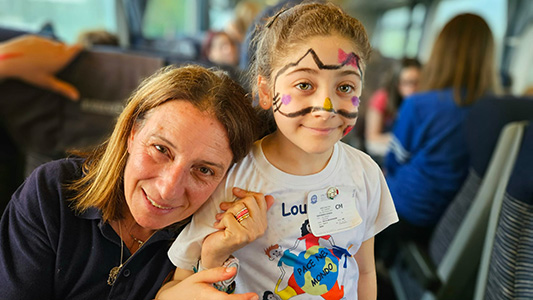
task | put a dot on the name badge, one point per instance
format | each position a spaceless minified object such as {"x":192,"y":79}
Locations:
{"x":332,"y":210}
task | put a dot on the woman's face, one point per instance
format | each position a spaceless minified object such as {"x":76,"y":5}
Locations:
{"x":408,"y":83}
{"x":177,"y":157}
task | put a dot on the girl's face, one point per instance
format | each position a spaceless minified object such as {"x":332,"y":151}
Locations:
{"x":316,"y":93}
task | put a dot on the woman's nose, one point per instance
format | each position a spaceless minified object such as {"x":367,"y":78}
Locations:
{"x":173,"y":180}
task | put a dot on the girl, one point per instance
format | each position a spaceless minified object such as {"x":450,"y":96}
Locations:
{"x":330,"y":199}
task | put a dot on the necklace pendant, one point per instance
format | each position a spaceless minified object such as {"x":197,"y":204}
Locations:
{"x":113,"y":274}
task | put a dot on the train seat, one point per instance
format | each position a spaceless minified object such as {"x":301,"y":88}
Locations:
{"x":506,"y":270}
{"x":46,"y":125}
{"x":448,"y":267}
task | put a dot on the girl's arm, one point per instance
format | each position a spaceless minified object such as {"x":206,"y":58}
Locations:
{"x":367,"y":286}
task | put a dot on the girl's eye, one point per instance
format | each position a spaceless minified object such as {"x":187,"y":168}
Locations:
{"x":346,"y":88}
{"x":206,"y":171}
{"x":304,"y":86}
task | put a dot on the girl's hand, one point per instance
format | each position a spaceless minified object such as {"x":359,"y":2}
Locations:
{"x":199,"y":286}
{"x":234,"y":234}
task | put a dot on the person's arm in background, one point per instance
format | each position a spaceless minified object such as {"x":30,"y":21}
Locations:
{"x":402,"y":139}
{"x":377,"y":141}
{"x":36,"y":60}
{"x":375,"y":118}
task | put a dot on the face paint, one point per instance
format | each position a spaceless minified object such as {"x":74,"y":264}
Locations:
{"x":349,"y":59}
{"x":355,"y":101}
{"x":352,"y":59}
{"x":311,"y":109}
{"x":286,"y":99}
{"x":328,"y":106}
{"x":347,"y":130}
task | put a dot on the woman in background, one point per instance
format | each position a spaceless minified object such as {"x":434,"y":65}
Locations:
{"x":428,"y":160}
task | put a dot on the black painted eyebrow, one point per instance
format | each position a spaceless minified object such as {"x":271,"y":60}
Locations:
{"x":320,"y":64}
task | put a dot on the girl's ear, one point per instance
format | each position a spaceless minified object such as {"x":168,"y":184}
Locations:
{"x":265,"y":99}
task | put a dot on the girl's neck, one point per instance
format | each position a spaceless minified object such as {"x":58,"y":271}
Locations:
{"x":291,"y":159}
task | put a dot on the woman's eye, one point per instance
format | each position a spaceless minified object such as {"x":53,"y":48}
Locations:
{"x":206,"y":171}
{"x":304,"y":86}
{"x":161,"y":149}
{"x":346,"y":88}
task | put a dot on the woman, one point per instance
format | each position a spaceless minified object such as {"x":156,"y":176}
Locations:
{"x":428,"y":160}
{"x":99,"y":226}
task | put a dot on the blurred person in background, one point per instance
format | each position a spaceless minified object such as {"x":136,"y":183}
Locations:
{"x":385,"y":103}
{"x":428,"y":161}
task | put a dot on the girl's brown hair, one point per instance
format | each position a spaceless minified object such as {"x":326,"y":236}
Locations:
{"x":208,"y":90}
{"x":462,"y":59}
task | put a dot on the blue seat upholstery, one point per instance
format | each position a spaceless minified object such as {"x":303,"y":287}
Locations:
{"x":506,"y":270}
{"x":447,"y":269}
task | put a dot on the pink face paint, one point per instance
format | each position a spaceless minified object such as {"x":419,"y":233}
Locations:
{"x":347,"y":130}
{"x":348,"y":59}
{"x":286,"y":99}
{"x":355,"y":101}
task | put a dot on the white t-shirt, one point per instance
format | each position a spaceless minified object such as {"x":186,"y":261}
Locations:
{"x":288,"y":261}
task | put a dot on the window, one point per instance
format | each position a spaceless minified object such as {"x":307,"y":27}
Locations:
{"x":400,"y":30}
{"x":493,"y":11}
{"x":67,"y":18}
{"x":169,"y":19}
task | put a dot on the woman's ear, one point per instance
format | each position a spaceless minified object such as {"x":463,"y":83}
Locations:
{"x":265,"y":98}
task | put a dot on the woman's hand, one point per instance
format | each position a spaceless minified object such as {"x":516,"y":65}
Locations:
{"x":200,"y":286}
{"x":234,"y":234}
{"x":35,"y":60}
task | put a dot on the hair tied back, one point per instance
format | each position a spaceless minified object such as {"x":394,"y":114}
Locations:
{"x":269,"y":24}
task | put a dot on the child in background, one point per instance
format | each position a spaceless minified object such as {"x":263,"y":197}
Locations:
{"x":219,"y":49}
{"x":330,"y":199}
